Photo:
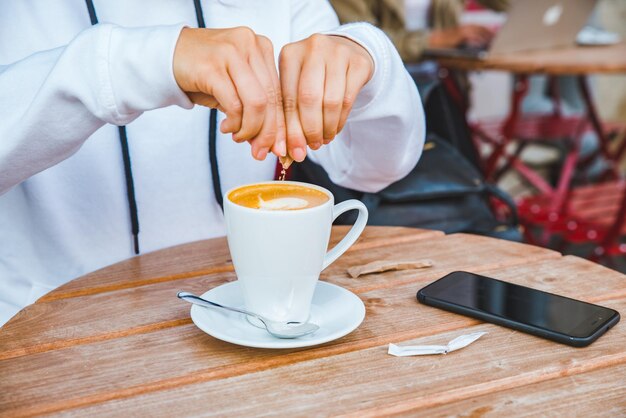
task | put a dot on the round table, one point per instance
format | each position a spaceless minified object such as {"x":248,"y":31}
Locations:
{"x":119,"y":342}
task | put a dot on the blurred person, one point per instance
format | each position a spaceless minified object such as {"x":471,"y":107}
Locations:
{"x":414,"y":25}
{"x":68,"y":197}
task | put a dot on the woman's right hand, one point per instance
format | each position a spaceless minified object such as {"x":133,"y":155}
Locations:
{"x":233,"y":70}
{"x":474,"y":35}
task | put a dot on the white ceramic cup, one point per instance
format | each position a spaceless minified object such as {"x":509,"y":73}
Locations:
{"x":279,"y":255}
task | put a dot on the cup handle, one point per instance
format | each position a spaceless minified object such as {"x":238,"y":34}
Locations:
{"x":354,"y":232}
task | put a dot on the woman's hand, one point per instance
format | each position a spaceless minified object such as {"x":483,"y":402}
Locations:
{"x":233,"y":70}
{"x":474,"y":35}
{"x":320,"y":78}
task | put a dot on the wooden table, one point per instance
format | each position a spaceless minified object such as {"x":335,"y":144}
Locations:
{"x":118,"y":342}
{"x":575,"y":60}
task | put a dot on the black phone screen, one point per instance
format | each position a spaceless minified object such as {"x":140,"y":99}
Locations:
{"x":519,"y":304}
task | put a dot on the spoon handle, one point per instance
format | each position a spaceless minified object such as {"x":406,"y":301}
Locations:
{"x":197,"y":300}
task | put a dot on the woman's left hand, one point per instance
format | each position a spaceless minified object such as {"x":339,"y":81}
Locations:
{"x":320,"y":79}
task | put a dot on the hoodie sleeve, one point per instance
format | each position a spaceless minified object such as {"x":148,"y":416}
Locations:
{"x":52,"y":101}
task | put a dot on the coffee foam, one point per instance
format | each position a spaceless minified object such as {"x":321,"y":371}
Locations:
{"x":282,"y":203}
{"x":277,"y":196}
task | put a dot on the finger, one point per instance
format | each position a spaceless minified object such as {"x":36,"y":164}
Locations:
{"x":356,"y":78}
{"x":468,"y":36}
{"x":290,"y":63}
{"x":477,"y":34}
{"x":487,"y":35}
{"x":280,"y":144}
{"x":203,"y":99}
{"x":473,"y":41}
{"x":334,"y":91}
{"x":482,"y":36}
{"x":484,"y":32}
{"x":266,"y":137}
{"x":229,"y":102}
{"x":310,"y":101}
{"x":280,"y":140}
{"x":477,"y":40}
{"x":252,"y":96}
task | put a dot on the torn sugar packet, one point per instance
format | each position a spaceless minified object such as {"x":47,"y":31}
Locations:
{"x":423,"y":350}
{"x":387,"y":265}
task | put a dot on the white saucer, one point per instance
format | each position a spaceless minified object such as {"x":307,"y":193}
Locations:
{"x":336,"y":310}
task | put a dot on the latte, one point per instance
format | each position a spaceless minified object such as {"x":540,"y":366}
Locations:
{"x":277,"y":197}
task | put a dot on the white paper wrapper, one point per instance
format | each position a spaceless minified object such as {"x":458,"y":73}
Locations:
{"x":424,"y":350}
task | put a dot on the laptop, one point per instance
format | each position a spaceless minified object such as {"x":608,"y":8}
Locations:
{"x":530,"y":25}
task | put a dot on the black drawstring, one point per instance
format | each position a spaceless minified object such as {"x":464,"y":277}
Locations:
{"x":130,"y":187}
{"x":92,"y":12}
{"x":215,"y":173}
{"x":128,"y":172}
{"x":199,"y":13}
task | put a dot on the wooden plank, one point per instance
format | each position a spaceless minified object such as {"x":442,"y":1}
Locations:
{"x":601,"y":392}
{"x":454,"y":252}
{"x":92,"y":373}
{"x":372,"y":383}
{"x":175,"y":263}
{"x":381,"y":236}
{"x":558,"y":61}
{"x":205,"y":257}
{"x":85,"y":319}
{"x":569,"y":276}
{"x":64,"y":323}
{"x":100,"y":371}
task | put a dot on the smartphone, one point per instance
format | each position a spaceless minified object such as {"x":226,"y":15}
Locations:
{"x":543,"y":314}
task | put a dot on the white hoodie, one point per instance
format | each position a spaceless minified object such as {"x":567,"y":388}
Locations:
{"x":63,"y":87}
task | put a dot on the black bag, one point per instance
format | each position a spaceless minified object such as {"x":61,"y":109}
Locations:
{"x":445,"y":120}
{"x":444,"y":191}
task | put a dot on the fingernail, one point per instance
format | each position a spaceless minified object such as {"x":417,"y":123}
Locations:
{"x":298,"y":154}
{"x":282,"y":148}
{"x":327,"y":141}
{"x":261,"y":154}
{"x":315,"y":145}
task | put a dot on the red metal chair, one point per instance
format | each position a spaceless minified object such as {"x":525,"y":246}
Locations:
{"x":593,"y":214}
{"x":549,"y":210}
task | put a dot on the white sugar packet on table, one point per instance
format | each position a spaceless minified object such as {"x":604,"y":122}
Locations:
{"x":423,"y":350}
